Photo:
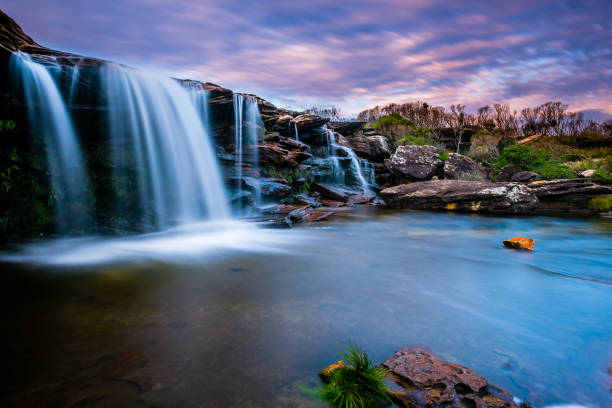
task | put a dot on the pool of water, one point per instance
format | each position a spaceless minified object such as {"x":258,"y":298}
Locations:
{"x":238,"y":316}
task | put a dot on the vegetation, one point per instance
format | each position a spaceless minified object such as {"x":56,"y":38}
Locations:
{"x":332,"y":113}
{"x":7,"y":125}
{"x":421,"y":136}
{"x":444,"y":156}
{"x":601,"y":204}
{"x":392,"y":119}
{"x":358,"y":384}
{"x":602,"y":176}
{"x":536,"y":160}
{"x":299,"y":180}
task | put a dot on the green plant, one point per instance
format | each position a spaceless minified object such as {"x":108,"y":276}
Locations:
{"x":7,"y":125}
{"x":602,"y":176}
{"x":292,"y":176}
{"x":536,"y":160}
{"x":421,"y":136}
{"x":444,"y":155}
{"x":393,"y":119}
{"x":601,"y":204}
{"x":358,"y":384}
{"x":552,"y":171}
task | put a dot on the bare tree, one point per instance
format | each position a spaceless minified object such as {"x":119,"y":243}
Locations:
{"x":458,"y":122}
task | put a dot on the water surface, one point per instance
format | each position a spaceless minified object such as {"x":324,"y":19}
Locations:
{"x":242,"y":317}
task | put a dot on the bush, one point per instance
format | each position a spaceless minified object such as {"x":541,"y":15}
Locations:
{"x":602,"y":176}
{"x":359,"y":384}
{"x":536,"y":160}
{"x":444,"y":156}
{"x":601,"y":204}
{"x":420,"y":137}
{"x":393,"y":119}
{"x":7,"y":125}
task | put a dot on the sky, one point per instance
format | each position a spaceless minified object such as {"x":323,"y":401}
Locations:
{"x":350,"y":54}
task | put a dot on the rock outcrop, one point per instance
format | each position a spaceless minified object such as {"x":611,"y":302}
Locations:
{"x":372,"y":147}
{"x":307,"y":122}
{"x":464,"y":196}
{"x":460,"y":167}
{"x":519,"y":243}
{"x":507,"y":172}
{"x":567,"y":194}
{"x":416,"y":163}
{"x":525,"y":177}
{"x":426,"y":381}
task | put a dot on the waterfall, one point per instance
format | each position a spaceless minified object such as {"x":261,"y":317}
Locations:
{"x":49,"y":118}
{"x":247,"y":123}
{"x":357,"y":166}
{"x":178,"y":177}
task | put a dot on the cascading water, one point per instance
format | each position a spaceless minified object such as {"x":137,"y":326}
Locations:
{"x":50,"y":118}
{"x":248,"y":123}
{"x":178,"y":180}
{"x":357,"y":166}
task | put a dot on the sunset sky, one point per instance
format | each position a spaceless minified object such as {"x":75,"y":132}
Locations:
{"x":352,"y":54}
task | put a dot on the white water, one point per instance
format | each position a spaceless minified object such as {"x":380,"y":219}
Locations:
{"x":247,"y":123}
{"x":179,"y":181}
{"x":356,"y":164}
{"x":49,"y":117}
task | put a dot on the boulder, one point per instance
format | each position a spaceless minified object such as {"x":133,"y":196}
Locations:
{"x":283,"y":121}
{"x":507,"y":172}
{"x":346,"y":128}
{"x":269,"y":113}
{"x":285,"y":142}
{"x":526,"y":177}
{"x":306,"y":122}
{"x":372,"y":147}
{"x":274,"y":188}
{"x":460,"y":195}
{"x":427,"y":381}
{"x":520,"y":243}
{"x":361,"y":199}
{"x":417,"y":163}
{"x":271,"y":154}
{"x":308,"y":214}
{"x":587,"y":173}
{"x":460,"y":167}
{"x":567,"y":193}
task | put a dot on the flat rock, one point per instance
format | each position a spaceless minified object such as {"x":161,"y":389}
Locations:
{"x":460,"y":195}
{"x":460,"y":167}
{"x":330,"y":193}
{"x":427,"y":381}
{"x":417,"y":163}
{"x":570,"y":193}
{"x":308,"y":122}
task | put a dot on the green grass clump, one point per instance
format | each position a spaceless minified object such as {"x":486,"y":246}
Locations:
{"x":536,"y":160}
{"x":444,"y":155}
{"x":601,"y":204}
{"x":602,"y":176}
{"x":359,"y":384}
{"x":421,"y":136}
{"x":7,"y":125}
{"x":393,"y":119}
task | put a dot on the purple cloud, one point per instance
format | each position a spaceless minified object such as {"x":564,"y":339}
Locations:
{"x":352,"y":54}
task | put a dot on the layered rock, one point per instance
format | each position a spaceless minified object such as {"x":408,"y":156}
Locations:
{"x":567,"y":193}
{"x":416,"y":163}
{"x":460,"y":167}
{"x":372,"y":147}
{"x":464,"y":196}
{"x":426,"y":381}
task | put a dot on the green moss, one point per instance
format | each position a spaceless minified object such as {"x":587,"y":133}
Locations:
{"x":393,"y":119}
{"x":292,"y":176}
{"x":601,"y":204}
{"x":602,"y":176}
{"x":359,"y":384}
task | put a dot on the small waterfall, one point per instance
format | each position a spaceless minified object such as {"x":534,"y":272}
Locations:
{"x":178,"y":177}
{"x":248,"y":123}
{"x":49,"y":118}
{"x":362,"y":169}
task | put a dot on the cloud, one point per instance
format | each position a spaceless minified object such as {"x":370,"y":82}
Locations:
{"x":352,"y":54}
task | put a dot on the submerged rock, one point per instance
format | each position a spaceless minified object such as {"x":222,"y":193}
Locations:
{"x":465,"y":196}
{"x":426,"y":381}
{"x":520,"y":243}
{"x":460,"y":167}
{"x":417,"y":163}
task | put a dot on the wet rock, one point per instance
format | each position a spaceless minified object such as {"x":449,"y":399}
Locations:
{"x":567,"y":193}
{"x":304,"y":199}
{"x":460,"y":167}
{"x":329,"y":192}
{"x":520,"y":243}
{"x":308,"y":214}
{"x":271,"y":154}
{"x":525,"y":177}
{"x":426,"y":381}
{"x":12,"y":36}
{"x":371,"y":147}
{"x":507,"y":172}
{"x":269,"y":113}
{"x":273,"y":188}
{"x":417,"y":163}
{"x":347,"y":128}
{"x":460,"y":195}
{"x":332,"y":203}
{"x":361,"y":199}
{"x":326,"y":372}
{"x":306,"y":122}
{"x":281,"y":208}
{"x":285,"y":142}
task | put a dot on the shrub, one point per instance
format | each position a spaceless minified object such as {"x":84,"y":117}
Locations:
{"x":602,"y":176}
{"x":393,"y":119}
{"x":444,"y":156}
{"x":601,"y":204}
{"x":359,"y":384}
{"x":7,"y":125}
{"x":421,"y":136}
{"x":537,"y":160}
